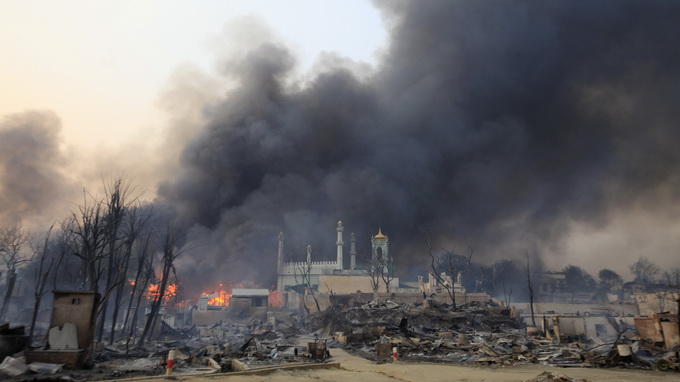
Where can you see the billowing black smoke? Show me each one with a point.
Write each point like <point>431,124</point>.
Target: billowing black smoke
<point>495,123</point>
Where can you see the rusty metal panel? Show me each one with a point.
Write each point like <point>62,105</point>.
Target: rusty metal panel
<point>670,334</point>
<point>649,328</point>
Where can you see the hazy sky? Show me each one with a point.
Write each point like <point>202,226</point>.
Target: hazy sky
<point>100,65</point>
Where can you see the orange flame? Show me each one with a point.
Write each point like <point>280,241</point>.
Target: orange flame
<point>154,290</point>
<point>275,299</point>
<point>219,297</point>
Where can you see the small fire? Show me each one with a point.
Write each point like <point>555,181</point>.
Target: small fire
<point>154,290</point>
<point>275,299</point>
<point>219,297</point>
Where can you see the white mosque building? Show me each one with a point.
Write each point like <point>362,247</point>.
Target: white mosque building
<point>330,276</point>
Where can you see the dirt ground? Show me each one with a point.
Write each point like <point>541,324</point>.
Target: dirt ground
<point>358,369</point>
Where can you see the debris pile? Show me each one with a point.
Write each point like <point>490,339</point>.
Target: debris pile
<point>12,340</point>
<point>215,349</point>
<point>476,333</point>
<point>220,348</point>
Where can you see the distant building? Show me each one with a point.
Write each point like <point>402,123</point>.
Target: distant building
<point>552,283</point>
<point>662,301</point>
<point>249,302</point>
<point>553,287</point>
<point>433,286</point>
<point>297,278</point>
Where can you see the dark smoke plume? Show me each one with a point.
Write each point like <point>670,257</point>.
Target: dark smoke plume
<point>32,184</point>
<point>496,123</point>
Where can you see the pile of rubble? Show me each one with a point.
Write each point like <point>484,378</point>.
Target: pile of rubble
<point>217,349</point>
<point>476,333</point>
<point>12,339</point>
<point>221,348</point>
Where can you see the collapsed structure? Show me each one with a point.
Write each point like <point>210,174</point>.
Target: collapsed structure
<point>366,310</point>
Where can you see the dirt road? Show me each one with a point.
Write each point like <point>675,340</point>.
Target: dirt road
<point>358,369</point>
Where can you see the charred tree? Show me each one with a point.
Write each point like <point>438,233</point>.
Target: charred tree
<point>116,210</point>
<point>12,242</point>
<point>451,263</point>
<point>480,281</point>
<point>374,272</point>
<point>87,239</point>
<point>386,272</point>
<point>505,279</point>
<point>94,238</point>
<point>62,271</point>
<point>644,270</point>
<point>303,270</point>
<point>531,291</point>
<point>469,268</point>
<point>170,252</point>
<point>42,274</point>
<point>507,295</point>
<point>135,224</point>
<point>144,274</point>
<point>608,282</point>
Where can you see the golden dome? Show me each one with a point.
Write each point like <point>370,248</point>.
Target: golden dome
<point>380,235</point>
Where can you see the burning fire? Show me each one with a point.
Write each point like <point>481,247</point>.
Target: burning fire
<point>220,297</point>
<point>215,299</point>
<point>275,299</point>
<point>154,290</point>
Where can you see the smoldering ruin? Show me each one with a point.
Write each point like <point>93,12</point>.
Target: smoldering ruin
<point>414,206</point>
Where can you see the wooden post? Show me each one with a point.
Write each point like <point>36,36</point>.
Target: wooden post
<point>556,327</point>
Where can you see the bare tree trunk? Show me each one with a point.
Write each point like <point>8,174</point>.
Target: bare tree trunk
<point>387,273</point>
<point>170,253</point>
<point>105,304</point>
<point>34,318</point>
<point>40,282</point>
<point>507,296</point>
<point>116,212</point>
<point>435,262</point>
<point>114,314</point>
<point>133,293</point>
<point>531,292</point>
<point>118,301</point>
<point>136,223</point>
<point>156,304</point>
<point>11,281</point>
<point>133,324</point>
<point>12,241</point>
<point>120,289</point>
<point>304,304</point>
<point>144,259</point>
<point>316,302</point>
<point>305,272</point>
<point>145,273</point>
<point>374,273</point>
<point>39,293</point>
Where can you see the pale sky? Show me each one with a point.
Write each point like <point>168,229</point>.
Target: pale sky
<point>100,65</point>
